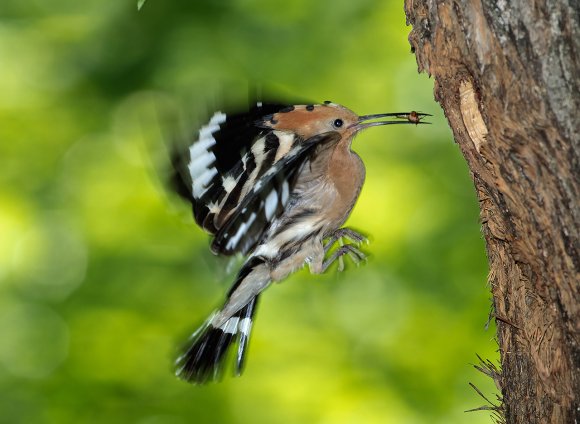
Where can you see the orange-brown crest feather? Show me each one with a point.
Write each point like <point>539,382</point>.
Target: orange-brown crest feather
<point>309,120</point>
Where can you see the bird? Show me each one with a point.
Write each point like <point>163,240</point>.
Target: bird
<point>274,183</point>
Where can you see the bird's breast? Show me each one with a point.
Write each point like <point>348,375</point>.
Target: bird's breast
<point>346,173</point>
<point>333,190</point>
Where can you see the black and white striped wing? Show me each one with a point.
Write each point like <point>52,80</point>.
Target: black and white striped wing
<point>208,170</point>
<point>265,199</point>
<point>222,167</point>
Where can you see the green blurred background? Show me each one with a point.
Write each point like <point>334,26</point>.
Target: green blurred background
<point>102,272</point>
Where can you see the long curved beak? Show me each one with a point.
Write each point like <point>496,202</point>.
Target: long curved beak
<point>399,118</point>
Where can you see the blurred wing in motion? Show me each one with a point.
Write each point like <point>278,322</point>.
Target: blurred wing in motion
<point>238,176</point>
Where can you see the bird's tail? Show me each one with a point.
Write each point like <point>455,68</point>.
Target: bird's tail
<point>205,356</point>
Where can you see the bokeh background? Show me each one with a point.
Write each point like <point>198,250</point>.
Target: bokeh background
<point>103,272</point>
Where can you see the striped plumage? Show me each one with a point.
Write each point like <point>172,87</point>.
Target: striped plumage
<point>273,184</point>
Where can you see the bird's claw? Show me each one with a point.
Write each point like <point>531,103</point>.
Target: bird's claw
<point>345,233</point>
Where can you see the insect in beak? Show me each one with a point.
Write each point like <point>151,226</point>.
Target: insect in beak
<point>404,118</point>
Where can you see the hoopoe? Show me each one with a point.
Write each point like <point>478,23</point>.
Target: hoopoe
<point>275,184</point>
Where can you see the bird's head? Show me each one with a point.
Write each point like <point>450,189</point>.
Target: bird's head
<point>310,120</point>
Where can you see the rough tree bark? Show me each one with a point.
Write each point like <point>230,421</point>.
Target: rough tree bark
<point>507,76</point>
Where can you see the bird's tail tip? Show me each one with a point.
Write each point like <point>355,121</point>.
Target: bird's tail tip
<point>206,355</point>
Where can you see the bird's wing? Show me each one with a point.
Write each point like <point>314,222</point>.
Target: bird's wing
<point>266,198</point>
<point>238,176</point>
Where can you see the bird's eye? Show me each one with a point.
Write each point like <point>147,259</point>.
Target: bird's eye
<point>337,123</point>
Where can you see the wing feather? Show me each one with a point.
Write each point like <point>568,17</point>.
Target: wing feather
<point>239,176</point>
<point>265,200</point>
<point>209,171</point>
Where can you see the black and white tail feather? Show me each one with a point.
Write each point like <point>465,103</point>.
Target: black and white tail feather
<point>204,358</point>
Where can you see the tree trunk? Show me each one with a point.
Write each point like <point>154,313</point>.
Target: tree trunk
<point>507,77</point>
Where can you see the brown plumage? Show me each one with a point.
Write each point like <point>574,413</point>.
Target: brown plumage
<point>282,201</point>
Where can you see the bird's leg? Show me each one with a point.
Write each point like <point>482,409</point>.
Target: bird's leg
<point>340,258</point>
<point>348,249</point>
